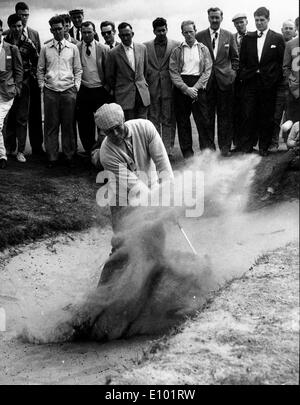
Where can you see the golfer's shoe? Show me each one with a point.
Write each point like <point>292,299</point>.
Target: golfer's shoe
<point>21,158</point>
<point>3,163</point>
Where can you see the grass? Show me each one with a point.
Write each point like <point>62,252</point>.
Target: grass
<point>35,201</point>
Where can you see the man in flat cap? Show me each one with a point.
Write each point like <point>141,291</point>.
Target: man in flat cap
<point>77,16</point>
<point>133,154</point>
<point>240,22</point>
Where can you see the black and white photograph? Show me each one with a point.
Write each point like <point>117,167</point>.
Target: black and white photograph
<point>149,195</point>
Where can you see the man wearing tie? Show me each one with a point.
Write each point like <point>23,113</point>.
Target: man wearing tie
<point>261,58</point>
<point>224,53</point>
<point>59,77</point>
<point>240,22</point>
<point>93,90</point>
<point>126,69</point>
<point>77,17</point>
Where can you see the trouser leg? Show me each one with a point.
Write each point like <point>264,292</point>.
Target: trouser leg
<point>266,116</point>
<point>225,118</point>
<point>211,105</point>
<point>52,122</point>
<point>4,109</point>
<point>140,110</point>
<point>167,123</point>
<point>22,114</point>
<point>200,114</point>
<point>183,108</point>
<point>67,113</point>
<point>280,107</point>
<point>35,126</point>
<point>247,136</point>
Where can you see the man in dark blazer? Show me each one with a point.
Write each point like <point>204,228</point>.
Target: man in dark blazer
<point>240,22</point>
<point>224,53</point>
<point>126,69</point>
<point>93,89</point>
<point>108,32</point>
<point>77,17</point>
<point>35,128</point>
<point>161,110</point>
<point>11,77</point>
<point>261,59</point>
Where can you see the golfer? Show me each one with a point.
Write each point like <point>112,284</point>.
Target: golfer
<point>134,154</point>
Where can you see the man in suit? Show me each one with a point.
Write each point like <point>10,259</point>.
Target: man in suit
<point>11,77</point>
<point>126,69</point>
<point>17,119</point>
<point>77,17</point>
<point>225,58</point>
<point>261,60</point>
<point>240,22</point>
<point>291,74</point>
<point>108,32</point>
<point>35,127</point>
<point>161,110</point>
<point>190,68</point>
<point>93,90</point>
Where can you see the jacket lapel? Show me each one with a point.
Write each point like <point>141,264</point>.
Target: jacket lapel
<point>267,44</point>
<point>209,44</point>
<point>152,54</point>
<point>123,55</point>
<point>167,53</point>
<point>220,43</point>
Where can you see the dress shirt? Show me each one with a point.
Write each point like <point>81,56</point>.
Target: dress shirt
<point>191,59</point>
<point>129,50</point>
<point>160,48</point>
<point>2,58</point>
<point>240,38</point>
<point>212,36</point>
<point>75,30</point>
<point>260,42</point>
<point>59,72</point>
<point>90,75</point>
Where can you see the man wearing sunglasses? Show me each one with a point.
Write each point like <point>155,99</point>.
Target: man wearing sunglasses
<point>108,32</point>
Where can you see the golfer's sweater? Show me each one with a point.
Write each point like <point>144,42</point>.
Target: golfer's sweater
<point>150,159</point>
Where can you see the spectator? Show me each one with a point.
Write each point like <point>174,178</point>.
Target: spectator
<point>240,22</point>
<point>225,58</point>
<point>261,59</point>
<point>161,110</point>
<point>289,32</point>
<point>11,77</point>
<point>35,127</point>
<point>77,17</point>
<point>17,119</point>
<point>127,66</point>
<point>93,90</point>
<point>108,32</point>
<point>59,77</point>
<point>291,73</point>
<point>190,68</point>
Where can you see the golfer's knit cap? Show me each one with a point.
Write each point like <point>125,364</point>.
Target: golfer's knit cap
<point>239,15</point>
<point>76,11</point>
<point>109,116</point>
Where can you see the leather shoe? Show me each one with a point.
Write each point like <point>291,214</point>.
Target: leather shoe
<point>3,163</point>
